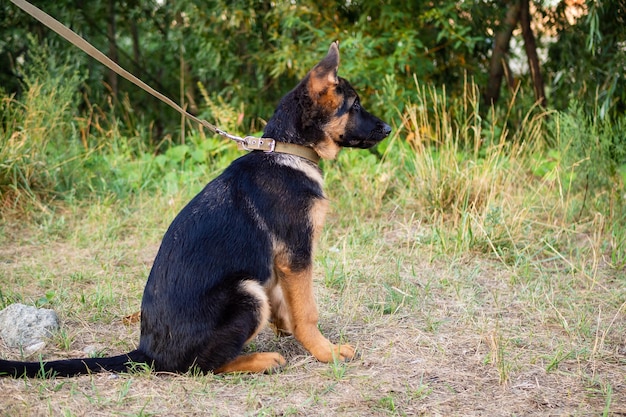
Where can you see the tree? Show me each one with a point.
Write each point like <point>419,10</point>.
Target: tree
<point>498,63</point>
<point>531,52</point>
<point>518,12</point>
<point>586,64</point>
<point>248,53</point>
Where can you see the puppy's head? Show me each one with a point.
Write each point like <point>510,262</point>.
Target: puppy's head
<point>343,121</point>
<point>325,113</point>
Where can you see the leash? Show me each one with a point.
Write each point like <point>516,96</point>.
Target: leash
<point>249,143</point>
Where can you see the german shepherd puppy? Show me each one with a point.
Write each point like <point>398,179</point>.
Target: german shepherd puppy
<point>240,254</point>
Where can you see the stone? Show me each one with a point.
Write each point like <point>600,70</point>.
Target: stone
<point>27,326</point>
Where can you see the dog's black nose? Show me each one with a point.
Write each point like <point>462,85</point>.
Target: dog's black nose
<point>386,129</point>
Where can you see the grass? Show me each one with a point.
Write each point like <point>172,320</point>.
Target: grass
<point>438,332</point>
<point>469,263</point>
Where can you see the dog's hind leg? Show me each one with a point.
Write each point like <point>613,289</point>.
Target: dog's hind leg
<point>254,362</point>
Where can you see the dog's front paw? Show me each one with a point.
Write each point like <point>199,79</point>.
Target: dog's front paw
<point>344,352</point>
<point>273,362</point>
<point>334,353</point>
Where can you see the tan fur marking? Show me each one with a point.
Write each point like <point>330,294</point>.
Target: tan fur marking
<point>336,127</point>
<point>322,90</point>
<point>256,290</point>
<point>297,294</point>
<point>327,149</point>
<point>280,320</point>
<point>254,363</point>
<point>318,217</point>
<point>321,78</point>
<point>298,291</point>
<point>329,100</point>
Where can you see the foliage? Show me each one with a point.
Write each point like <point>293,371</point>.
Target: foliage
<point>453,157</point>
<point>250,52</point>
<point>595,149</point>
<point>377,41</point>
<point>47,151</point>
<point>587,62</point>
<point>39,137</point>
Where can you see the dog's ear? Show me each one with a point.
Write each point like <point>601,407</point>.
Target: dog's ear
<point>324,74</point>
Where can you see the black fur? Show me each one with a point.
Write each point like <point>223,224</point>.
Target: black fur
<point>199,305</point>
<point>220,238</point>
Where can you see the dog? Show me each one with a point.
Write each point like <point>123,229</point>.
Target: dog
<point>240,254</point>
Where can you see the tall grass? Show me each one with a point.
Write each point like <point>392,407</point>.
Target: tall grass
<point>520,187</point>
<point>471,175</point>
<point>38,133</point>
<point>55,145</point>
<point>481,182</point>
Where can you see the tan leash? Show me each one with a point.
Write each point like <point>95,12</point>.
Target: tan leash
<point>249,143</point>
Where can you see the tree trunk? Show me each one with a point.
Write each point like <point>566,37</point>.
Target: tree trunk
<point>531,52</point>
<point>500,48</point>
<point>112,45</point>
<point>134,34</point>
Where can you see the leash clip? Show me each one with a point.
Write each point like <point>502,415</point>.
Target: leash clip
<point>252,143</point>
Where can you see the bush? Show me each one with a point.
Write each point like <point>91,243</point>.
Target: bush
<point>40,148</point>
<point>596,145</point>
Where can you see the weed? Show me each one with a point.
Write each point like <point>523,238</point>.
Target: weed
<point>498,356</point>
<point>45,300</point>
<point>334,277</point>
<point>421,392</point>
<point>63,339</point>
<point>559,356</point>
<point>466,175</point>
<point>9,298</point>
<point>337,369</point>
<point>387,403</point>
<point>608,393</point>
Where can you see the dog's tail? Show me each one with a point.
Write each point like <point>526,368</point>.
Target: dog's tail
<point>72,367</point>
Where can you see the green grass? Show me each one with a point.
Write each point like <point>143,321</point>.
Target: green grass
<point>474,263</point>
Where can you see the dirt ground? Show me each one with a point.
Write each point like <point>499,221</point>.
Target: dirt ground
<point>436,337</point>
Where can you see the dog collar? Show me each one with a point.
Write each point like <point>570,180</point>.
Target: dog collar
<point>251,143</point>
<point>298,150</point>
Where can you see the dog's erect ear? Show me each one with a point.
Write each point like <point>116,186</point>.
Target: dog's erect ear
<point>324,74</point>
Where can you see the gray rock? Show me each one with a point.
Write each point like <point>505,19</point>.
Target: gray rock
<point>26,326</point>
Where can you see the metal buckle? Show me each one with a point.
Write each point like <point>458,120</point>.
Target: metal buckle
<point>252,143</point>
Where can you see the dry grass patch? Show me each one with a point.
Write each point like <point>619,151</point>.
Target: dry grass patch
<point>436,334</point>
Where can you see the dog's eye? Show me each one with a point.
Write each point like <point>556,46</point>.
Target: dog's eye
<point>356,106</point>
